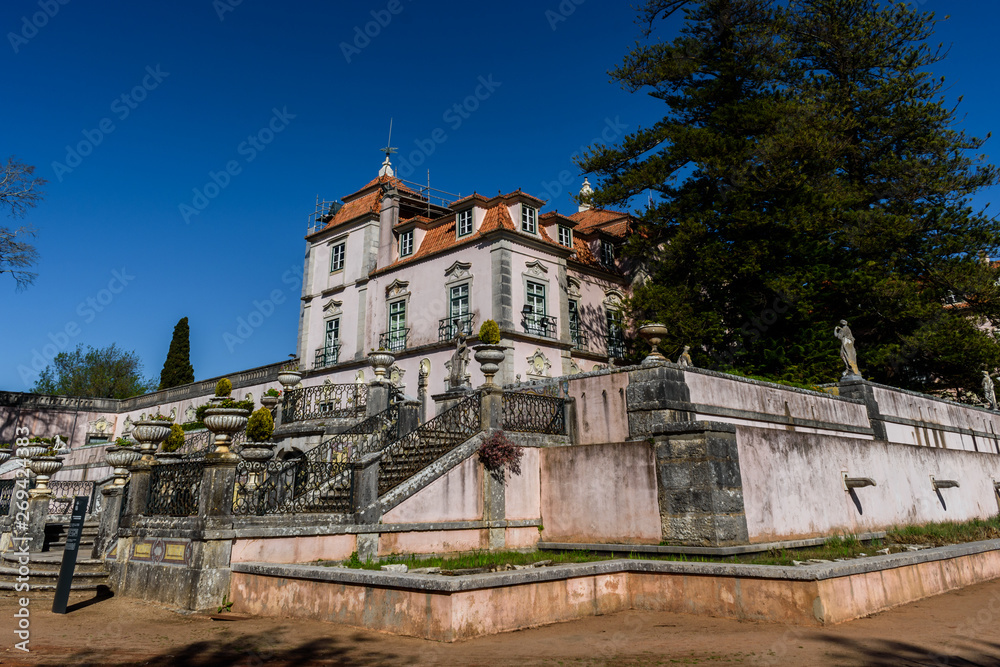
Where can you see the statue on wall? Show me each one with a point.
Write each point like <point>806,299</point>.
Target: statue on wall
<point>847,351</point>
<point>457,376</point>
<point>60,446</point>
<point>989,392</point>
<point>685,358</point>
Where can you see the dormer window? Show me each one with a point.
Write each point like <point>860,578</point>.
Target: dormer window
<point>406,243</point>
<point>465,222</point>
<point>565,236</point>
<point>607,254</point>
<point>529,219</point>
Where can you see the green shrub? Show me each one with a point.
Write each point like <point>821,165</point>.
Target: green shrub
<point>160,418</point>
<point>489,333</point>
<point>175,440</point>
<point>260,426</point>
<point>199,413</point>
<point>124,442</point>
<point>223,388</point>
<point>272,392</point>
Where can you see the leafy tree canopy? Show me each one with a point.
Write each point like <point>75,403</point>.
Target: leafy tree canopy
<point>108,372</point>
<point>807,169</point>
<point>20,190</point>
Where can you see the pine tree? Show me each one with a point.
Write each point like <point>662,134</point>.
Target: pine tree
<point>177,369</point>
<point>807,171</point>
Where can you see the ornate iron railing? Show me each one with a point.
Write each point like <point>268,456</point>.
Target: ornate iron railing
<point>6,493</point>
<point>414,451</point>
<point>285,487</point>
<point>174,489</point>
<point>324,401</point>
<point>449,327</point>
<point>539,325</point>
<point>393,341</point>
<point>365,437</point>
<point>64,491</point>
<point>579,340</point>
<point>199,445</point>
<point>529,412</point>
<point>327,356</point>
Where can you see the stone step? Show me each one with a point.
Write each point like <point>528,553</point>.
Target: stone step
<point>51,561</point>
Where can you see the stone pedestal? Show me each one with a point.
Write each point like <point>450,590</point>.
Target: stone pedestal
<point>107,532</point>
<point>364,488</point>
<point>378,398</point>
<point>853,386</point>
<point>218,478</point>
<point>138,490</point>
<point>699,485</point>
<point>656,395</point>
<point>34,529</point>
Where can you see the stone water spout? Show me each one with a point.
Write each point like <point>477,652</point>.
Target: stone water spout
<point>943,483</point>
<point>857,482</point>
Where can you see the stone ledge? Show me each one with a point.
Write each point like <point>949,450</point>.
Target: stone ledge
<point>358,529</point>
<point>447,585</point>
<point>734,550</point>
<point>681,428</point>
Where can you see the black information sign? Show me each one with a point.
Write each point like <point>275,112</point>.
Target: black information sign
<point>69,555</point>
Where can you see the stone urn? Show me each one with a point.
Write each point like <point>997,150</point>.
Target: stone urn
<point>380,361</point>
<point>269,401</point>
<point>44,467</point>
<point>224,423</point>
<point>120,458</point>
<point>289,378</point>
<point>168,457</point>
<point>490,357</point>
<point>653,334</point>
<point>149,433</point>
<point>30,451</point>
<point>257,452</point>
<point>4,455</point>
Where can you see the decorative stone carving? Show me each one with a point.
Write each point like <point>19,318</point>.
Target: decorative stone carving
<point>458,377</point>
<point>573,287</point>
<point>574,368</point>
<point>60,446</point>
<point>359,378</point>
<point>396,375</point>
<point>536,269</point>
<point>685,358</point>
<point>457,271</point>
<point>847,351</point>
<point>333,307</point>
<point>538,365</point>
<point>101,426</point>
<point>397,288</point>
<point>989,391</point>
<point>190,414</point>
<point>613,299</point>
<point>127,425</point>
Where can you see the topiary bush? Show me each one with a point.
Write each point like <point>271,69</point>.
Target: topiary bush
<point>175,440</point>
<point>272,392</point>
<point>260,426</point>
<point>199,412</point>
<point>489,333</point>
<point>223,388</point>
<point>497,452</point>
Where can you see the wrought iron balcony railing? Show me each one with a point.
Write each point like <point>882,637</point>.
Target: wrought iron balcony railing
<point>393,341</point>
<point>449,327</point>
<point>539,325</point>
<point>579,340</point>
<point>324,401</point>
<point>616,346</point>
<point>327,356</point>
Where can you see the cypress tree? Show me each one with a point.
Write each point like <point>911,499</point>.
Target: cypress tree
<point>177,369</point>
<point>807,169</point>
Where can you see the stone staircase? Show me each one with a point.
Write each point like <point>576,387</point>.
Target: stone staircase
<point>44,565</point>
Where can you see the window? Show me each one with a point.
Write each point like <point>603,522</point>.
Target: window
<point>574,325</point>
<point>565,236</point>
<point>397,326</point>
<point>529,219</point>
<point>607,254</point>
<point>616,334</point>
<point>459,309</point>
<point>329,354</point>
<point>332,333</point>
<point>465,222</point>
<point>337,257</point>
<point>406,243</point>
<point>535,321</point>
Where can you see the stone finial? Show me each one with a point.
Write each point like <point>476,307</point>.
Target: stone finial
<point>586,192</point>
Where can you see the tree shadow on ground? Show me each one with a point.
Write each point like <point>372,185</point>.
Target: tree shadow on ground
<point>959,652</point>
<point>243,651</point>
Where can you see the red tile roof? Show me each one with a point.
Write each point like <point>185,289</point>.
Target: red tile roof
<point>597,218</point>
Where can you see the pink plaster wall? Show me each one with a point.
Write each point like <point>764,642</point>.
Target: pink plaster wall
<point>456,496</point>
<point>601,414</point>
<point>522,538</point>
<point>792,484</point>
<point>433,541</point>
<point>600,493</point>
<point>522,493</point>
<point>293,549</point>
<point>932,411</point>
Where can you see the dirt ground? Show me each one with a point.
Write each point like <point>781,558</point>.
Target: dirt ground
<point>959,628</point>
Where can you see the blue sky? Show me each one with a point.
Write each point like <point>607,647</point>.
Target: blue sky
<point>185,144</point>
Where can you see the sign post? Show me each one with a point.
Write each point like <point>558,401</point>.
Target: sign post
<point>69,555</point>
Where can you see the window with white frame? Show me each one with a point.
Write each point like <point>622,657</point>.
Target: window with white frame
<point>458,310</point>
<point>329,354</point>
<point>465,222</point>
<point>574,324</point>
<point>397,326</point>
<point>337,257</point>
<point>565,236</point>
<point>607,254</point>
<point>535,321</point>
<point>529,219</point>
<point>616,334</point>
<point>406,243</point>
